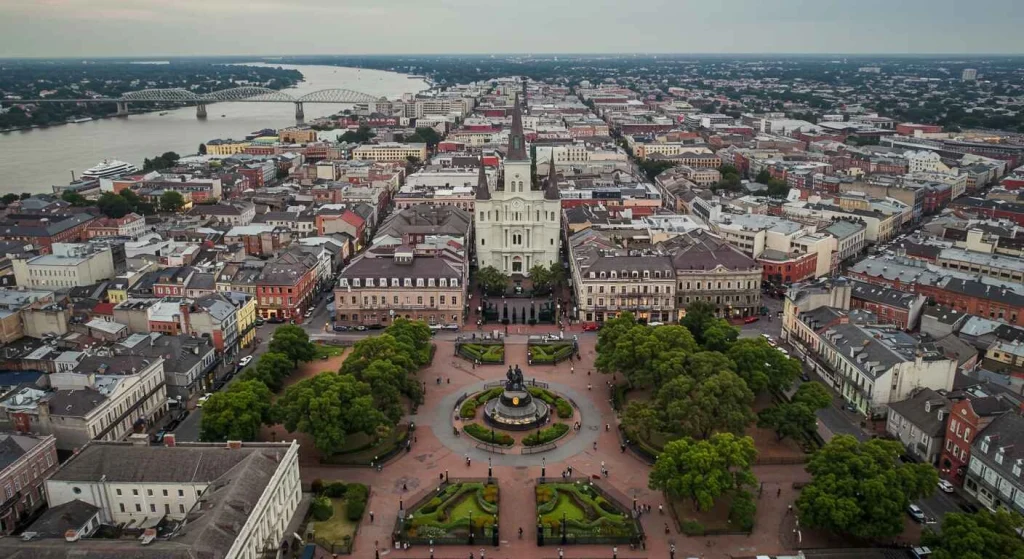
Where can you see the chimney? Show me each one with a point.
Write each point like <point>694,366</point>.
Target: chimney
<point>234,445</point>
<point>169,439</point>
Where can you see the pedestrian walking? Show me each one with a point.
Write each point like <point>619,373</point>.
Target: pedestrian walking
<point>371,517</point>
<point>589,386</point>
<point>595,445</point>
<point>572,369</point>
<point>779,492</point>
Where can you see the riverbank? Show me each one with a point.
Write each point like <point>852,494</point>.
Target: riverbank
<point>37,158</point>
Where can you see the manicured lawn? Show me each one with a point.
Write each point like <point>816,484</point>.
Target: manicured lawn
<point>566,506</point>
<point>334,529</point>
<point>448,514</point>
<point>587,513</point>
<point>466,506</point>
<point>327,351</point>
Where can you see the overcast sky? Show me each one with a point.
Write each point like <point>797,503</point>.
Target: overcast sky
<point>52,28</point>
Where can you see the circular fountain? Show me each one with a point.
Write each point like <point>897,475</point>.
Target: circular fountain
<point>516,409</point>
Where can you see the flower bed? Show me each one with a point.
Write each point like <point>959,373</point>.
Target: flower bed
<point>485,353</point>
<point>562,406</point>
<point>546,435</point>
<point>448,517</point>
<point>483,434</point>
<point>469,406</point>
<point>550,352</point>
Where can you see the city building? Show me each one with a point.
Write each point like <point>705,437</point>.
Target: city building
<point>919,422</point>
<point>972,411</point>
<point>232,501</point>
<point>517,226</point>
<point>390,151</point>
<point>285,286</point>
<point>45,230</point>
<point>131,226</point>
<point>67,265</point>
<point>996,463</point>
<point>25,463</point>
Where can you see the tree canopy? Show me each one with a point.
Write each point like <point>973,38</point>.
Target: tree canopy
<point>172,201</point>
<point>721,402</point>
<point>703,471</point>
<point>329,407</point>
<point>982,535</point>
<point>388,363</point>
<point>796,417</point>
<point>271,369</point>
<point>165,161</point>
<point>646,356</point>
<point>763,366</point>
<point>237,413</point>
<point>360,136</point>
<point>491,280</point>
<point>292,341</point>
<point>861,489</point>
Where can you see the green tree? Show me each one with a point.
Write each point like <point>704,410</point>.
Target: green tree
<point>237,413</point>
<point>719,335</point>
<point>788,419</point>
<point>202,149</point>
<point>293,341</point>
<point>812,394</point>
<point>165,161</point>
<point>9,199</point>
<point>557,273</point>
<point>764,176</point>
<point>982,535</point>
<point>640,418</point>
<point>703,471</point>
<point>271,369</point>
<point>699,316</point>
<point>704,364</point>
<point>171,201</point>
<point>652,168</point>
<point>722,402</point>
<point>74,198</point>
<point>861,489</point>
<point>540,277</point>
<point>428,136</point>
<point>329,407</point>
<point>778,188</point>
<point>113,205</point>
<point>728,169</point>
<point>491,280</point>
<point>360,136</point>
<point>762,366</point>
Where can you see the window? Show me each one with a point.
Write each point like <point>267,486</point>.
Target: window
<point>181,509</point>
<point>167,508</point>
<point>165,492</point>
<point>181,492</point>
<point>138,507</point>
<point>118,492</point>
<point>152,507</point>
<point>135,492</point>
<point>149,492</point>
<point>122,506</point>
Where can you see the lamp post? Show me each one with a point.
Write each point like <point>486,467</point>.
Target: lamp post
<point>543,465</point>
<point>489,473</point>
<point>565,533</point>
<point>470,527</point>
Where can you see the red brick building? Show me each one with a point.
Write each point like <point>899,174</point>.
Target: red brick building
<point>892,306</point>
<point>44,230</point>
<point>908,129</point>
<point>977,298</point>
<point>968,416</point>
<point>284,289</point>
<point>787,268</point>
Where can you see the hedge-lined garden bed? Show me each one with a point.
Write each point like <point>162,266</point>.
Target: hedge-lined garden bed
<point>547,435</point>
<point>589,516</point>
<point>547,353</point>
<point>483,434</point>
<point>335,512</point>
<point>562,406</point>
<point>445,518</point>
<point>487,353</point>
<point>468,408</point>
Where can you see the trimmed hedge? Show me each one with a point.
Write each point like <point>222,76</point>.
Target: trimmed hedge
<point>485,353</point>
<point>562,406</point>
<point>483,434</point>
<point>692,528</point>
<point>468,408</point>
<point>550,352</point>
<point>335,490</point>
<point>356,496</point>
<point>321,508</point>
<point>547,435</point>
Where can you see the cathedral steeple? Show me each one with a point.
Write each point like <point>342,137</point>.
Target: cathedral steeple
<point>516,139</point>
<point>483,191</point>
<point>551,189</point>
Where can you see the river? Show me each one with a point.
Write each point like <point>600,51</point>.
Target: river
<point>34,160</point>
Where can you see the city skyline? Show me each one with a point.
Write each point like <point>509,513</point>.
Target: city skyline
<point>111,28</point>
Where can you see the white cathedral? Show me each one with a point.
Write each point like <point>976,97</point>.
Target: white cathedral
<point>517,226</point>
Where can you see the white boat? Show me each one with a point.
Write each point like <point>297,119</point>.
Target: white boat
<point>83,119</point>
<point>109,168</point>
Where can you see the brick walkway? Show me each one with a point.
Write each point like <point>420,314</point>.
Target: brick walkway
<point>436,451</point>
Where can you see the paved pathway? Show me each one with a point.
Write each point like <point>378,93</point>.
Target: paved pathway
<point>436,451</point>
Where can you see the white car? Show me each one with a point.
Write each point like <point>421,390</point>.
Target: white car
<point>655,324</point>
<point>203,399</point>
<point>436,327</point>
<point>945,486</point>
<point>452,326</point>
<point>769,339</point>
<point>783,351</point>
<point>245,361</point>
<point>916,513</point>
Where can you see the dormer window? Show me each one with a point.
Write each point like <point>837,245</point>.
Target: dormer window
<point>408,282</point>
<point>455,282</point>
<point>1016,468</point>
<point>592,275</point>
<point>395,282</point>
<point>443,282</point>
<point>602,275</point>
<point>419,282</point>
<point>637,274</point>
<point>355,282</point>
<point>999,455</point>
<point>614,275</point>
<point>984,445</point>
<point>369,282</point>
<point>383,282</point>
<point>344,282</point>
<point>430,282</point>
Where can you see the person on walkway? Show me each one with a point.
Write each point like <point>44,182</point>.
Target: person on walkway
<point>661,510</point>
<point>371,517</point>
<point>589,386</point>
<point>404,487</point>
<point>779,493</point>
<point>572,369</point>
<point>595,445</point>
<point>468,460</point>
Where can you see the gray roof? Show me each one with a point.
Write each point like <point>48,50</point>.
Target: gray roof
<point>375,268</point>
<point>128,463</point>
<point>882,295</point>
<point>74,403</point>
<point>1006,433</point>
<point>424,219</point>
<point>13,447</point>
<point>922,411</point>
<point>943,314</point>
<point>842,229</point>
<point>875,350</point>
<point>72,515</point>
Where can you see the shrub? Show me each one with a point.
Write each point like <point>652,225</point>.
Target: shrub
<point>317,486</point>
<point>483,434</point>
<point>544,395</point>
<point>547,435</point>
<point>488,395</point>
<point>431,505</point>
<point>692,528</point>
<point>742,511</point>
<point>321,508</point>
<point>356,496</point>
<point>485,353</point>
<point>563,408</point>
<point>335,490</point>
<point>468,409</point>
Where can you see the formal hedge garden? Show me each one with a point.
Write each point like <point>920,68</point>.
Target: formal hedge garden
<point>589,516</point>
<point>546,435</point>
<point>445,518</point>
<point>483,434</point>
<point>335,512</point>
<point>562,406</point>
<point>488,353</point>
<point>470,405</point>
<point>547,353</point>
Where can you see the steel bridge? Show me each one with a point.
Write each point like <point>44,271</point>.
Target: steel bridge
<point>247,94</point>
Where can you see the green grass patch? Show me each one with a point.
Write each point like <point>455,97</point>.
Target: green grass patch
<point>585,511</point>
<point>324,351</point>
<point>483,434</point>
<point>338,529</point>
<point>448,514</point>
<point>547,435</point>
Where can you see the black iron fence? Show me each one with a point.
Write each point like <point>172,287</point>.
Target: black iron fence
<point>474,535</point>
<point>563,535</point>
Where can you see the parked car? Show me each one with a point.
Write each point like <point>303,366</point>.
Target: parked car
<point>945,486</point>
<point>451,326</point>
<point>916,513</point>
<point>655,323</point>
<point>341,328</point>
<point>805,377</point>
<point>260,322</point>
<point>361,328</point>
<point>436,327</point>
<point>783,351</point>
<point>751,319</point>
<point>203,399</point>
<point>244,361</point>
<point>591,327</point>
<point>309,312</point>
<point>771,342</point>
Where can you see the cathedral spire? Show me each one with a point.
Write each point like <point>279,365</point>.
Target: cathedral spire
<point>483,191</point>
<point>516,139</point>
<point>551,190</point>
